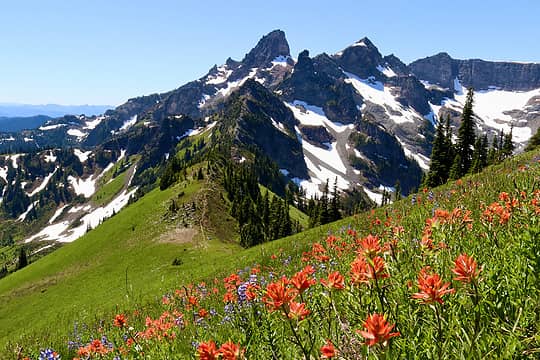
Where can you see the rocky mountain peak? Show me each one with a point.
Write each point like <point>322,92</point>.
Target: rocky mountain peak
<point>304,64</point>
<point>271,46</point>
<point>361,58</point>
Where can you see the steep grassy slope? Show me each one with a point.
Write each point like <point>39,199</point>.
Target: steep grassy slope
<point>126,260</point>
<point>431,228</point>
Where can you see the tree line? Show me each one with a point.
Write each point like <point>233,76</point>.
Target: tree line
<point>469,154</point>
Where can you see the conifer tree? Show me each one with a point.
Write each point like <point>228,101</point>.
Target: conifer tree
<point>507,145</point>
<point>480,154</point>
<point>466,139</point>
<point>23,260</point>
<point>334,203</point>
<point>397,195</point>
<point>534,141</point>
<point>438,168</point>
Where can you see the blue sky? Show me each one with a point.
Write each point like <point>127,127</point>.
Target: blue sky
<point>105,51</point>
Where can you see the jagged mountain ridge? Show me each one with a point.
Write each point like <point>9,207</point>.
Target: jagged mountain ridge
<point>358,116</point>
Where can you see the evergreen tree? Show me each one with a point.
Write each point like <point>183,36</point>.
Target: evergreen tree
<point>507,145</point>
<point>438,168</point>
<point>466,138</point>
<point>335,203</point>
<point>534,141</point>
<point>23,260</point>
<point>455,170</point>
<point>480,155</point>
<point>397,194</point>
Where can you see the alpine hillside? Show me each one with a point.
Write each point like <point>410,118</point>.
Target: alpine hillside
<point>357,119</point>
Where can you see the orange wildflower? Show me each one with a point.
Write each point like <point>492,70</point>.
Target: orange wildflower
<point>431,287</point>
<point>228,297</point>
<point>328,351</point>
<point>298,311</point>
<point>230,351</point>
<point>302,281</point>
<point>377,330</point>
<point>369,246</point>
<point>207,351</point>
<point>278,295</point>
<point>363,270</point>
<point>465,268</point>
<point>203,312</point>
<point>335,281</point>
<point>120,321</point>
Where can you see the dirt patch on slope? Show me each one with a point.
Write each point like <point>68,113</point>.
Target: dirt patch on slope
<point>179,235</point>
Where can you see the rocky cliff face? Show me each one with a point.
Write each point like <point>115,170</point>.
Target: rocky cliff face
<point>441,69</point>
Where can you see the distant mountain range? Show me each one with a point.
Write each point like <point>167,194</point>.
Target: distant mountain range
<point>16,124</point>
<point>51,110</point>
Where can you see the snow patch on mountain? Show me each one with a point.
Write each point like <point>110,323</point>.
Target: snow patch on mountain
<point>50,157</point>
<point>3,173</point>
<point>82,155</point>
<point>62,232</point>
<point>279,126</point>
<point>311,115</point>
<point>203,100</point>
<point>375,92</point>
<point>85,187</point>
<point>222,75</point>
<point>51,127</point>
<point>492,106</point>
<point>129,123</point>
<point>77,133</point>
<point>386,71</point>
<point>57,213</point>
<point>422,160</point>
<point>14,160</point>
<point>280,61</point>
<point>232,85</point>
<point>43,184</point>
<point>22,217</point>
<point>374,196</point>
<point>92,124</point>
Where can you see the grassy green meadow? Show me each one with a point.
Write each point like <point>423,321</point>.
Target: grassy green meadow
<point>120,287</point>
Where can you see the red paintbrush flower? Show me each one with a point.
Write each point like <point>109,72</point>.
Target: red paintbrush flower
<point>301,280</point>
<point>465,268</point>
<point>277,295</point>
<point>120,320</point>
<point>377,330</point>
<point>431,287</point>
<point>298,311</point>
<point>335,281</point>
<point>207,351</point>
<point>328,351</point>
<point>230,351</point>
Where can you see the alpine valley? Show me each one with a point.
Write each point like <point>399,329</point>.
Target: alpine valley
<point>355,125</point>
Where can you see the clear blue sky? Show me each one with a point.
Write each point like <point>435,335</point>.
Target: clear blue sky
<point>105,51</point>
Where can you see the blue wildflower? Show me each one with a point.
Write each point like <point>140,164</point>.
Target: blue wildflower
<point>48,354</point>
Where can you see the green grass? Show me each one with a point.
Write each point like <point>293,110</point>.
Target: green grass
<point>91,288</point>
<point>90,274</point>
<point>294,213</point>
<point>109,190</point>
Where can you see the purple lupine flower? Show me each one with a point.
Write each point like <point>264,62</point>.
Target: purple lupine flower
<point>179,321</point>
<point>48,354</point>
<point>252,279</point>
<point>242,297</point>
<point>229,309</point>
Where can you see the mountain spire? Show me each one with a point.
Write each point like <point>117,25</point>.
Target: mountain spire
<point>271,46</point>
